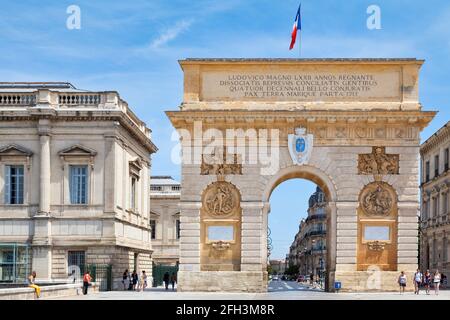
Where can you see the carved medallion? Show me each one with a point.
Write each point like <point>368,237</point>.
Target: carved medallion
<point>377,199</point>
<point>361,132</point>
<point>378,162</point>
<point>220,163</point>
<point>221,199</point>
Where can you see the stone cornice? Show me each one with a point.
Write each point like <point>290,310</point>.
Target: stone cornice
<point>437,138</point>
<point>238,118</point>
<point>85,115</point>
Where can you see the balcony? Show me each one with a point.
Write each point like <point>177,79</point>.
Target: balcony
<point>316,217</point>
<point>316,233</point>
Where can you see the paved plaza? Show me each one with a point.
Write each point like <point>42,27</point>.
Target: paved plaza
<point>278,290</point>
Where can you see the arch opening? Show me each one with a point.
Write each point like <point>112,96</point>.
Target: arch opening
<point>310,258</point>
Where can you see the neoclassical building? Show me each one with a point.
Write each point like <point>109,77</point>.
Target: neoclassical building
<point>435,204</point>
<point>165,220</point>
<point>308,250</point>
<point>74,177</point>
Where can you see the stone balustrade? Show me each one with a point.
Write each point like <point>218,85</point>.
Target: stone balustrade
<point>76,99</point>
<point>17,99</point>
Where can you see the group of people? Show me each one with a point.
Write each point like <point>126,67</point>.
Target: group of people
<point>172,279</point>
<point>426,280</point>
<point>132,281</point>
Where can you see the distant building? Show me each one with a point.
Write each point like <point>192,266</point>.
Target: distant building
<point>308,250</point>
<point>165,220</point>
<point>278,266</point>
<point>435,202</point>
<point>74,181</point>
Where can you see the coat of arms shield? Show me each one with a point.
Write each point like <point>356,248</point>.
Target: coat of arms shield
<point>300,146</point>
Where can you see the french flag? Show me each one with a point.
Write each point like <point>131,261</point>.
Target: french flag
<point>297,26</point>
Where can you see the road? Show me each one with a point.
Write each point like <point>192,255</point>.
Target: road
<point>278,290</point>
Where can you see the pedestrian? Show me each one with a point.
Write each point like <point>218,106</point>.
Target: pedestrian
<point>86,282</point>
<point>134,279</point>
<point>32,284</point>
<point>166,279</point>
<point>436,281</point>
<point>143,281</point>
<point>402,282</point>
<point>427,281</point>
<point>311,278</point>
<point>173,280</point>
<point>125,279</point>
<point>418,278</point>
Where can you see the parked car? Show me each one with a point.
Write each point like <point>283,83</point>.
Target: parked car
<point>275,278</point>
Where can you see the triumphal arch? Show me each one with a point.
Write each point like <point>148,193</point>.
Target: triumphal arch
<point>350,125</point>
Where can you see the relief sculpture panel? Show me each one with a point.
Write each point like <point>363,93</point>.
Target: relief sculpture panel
<point>378,162</point>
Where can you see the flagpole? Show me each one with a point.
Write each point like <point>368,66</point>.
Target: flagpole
<point>300,44</point>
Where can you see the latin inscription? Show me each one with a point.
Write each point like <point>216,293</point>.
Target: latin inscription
<point>300,86</point>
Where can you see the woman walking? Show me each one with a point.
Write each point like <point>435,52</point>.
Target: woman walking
<point>134,279</point>
<point>143,281</point>
<point>125,279</point>
<point>418,278</point>
<point>436,281</point>
<point>427,281</point>
<point>402,282</point>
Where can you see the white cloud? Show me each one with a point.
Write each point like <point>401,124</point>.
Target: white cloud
<point>171,33</point>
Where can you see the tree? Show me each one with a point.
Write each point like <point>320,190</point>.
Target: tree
<point>292,270</point>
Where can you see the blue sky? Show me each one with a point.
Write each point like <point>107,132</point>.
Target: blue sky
<point>133,47</point>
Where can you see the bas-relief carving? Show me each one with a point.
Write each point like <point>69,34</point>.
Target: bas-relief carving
<point>218,163</point>
<point>377,199</point>
<point>220,199</point>
<point>378,162</point>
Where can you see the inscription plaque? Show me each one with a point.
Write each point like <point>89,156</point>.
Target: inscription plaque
<point>220,233</point>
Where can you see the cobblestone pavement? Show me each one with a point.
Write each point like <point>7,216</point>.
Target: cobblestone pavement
<point>278,290</point>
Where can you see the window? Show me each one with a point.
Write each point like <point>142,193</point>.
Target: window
<point>427,171</point>
<point>436,165</point>
<point>178,228</point>
<point>14,185</point>
<point>153,227</point>
<point>446,159</point>
<point>76,259</point>
<point>133,193</point>
<point>445,203</point>
<point>156,188</point>
<point>444,249</point>
<point>435,207</point>
<point>78,185</point>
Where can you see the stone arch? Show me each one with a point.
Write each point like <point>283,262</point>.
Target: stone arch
<point>328,186</point>
<point>319,177</point>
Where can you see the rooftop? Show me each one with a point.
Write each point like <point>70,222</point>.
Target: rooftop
<point>424,147</point>
<point>34,86</point>
<point>302,60</point>
<point>163,180</point>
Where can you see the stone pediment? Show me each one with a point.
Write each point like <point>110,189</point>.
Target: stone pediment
<point>77,150</point>
<point>15,150</point>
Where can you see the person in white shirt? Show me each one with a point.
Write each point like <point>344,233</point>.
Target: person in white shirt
<point>436,281</point>
<point>402,282</point>
<point>418,277</point>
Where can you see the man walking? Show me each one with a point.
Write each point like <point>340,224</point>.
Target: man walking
<point>86,282</point>
<point>166,280</point>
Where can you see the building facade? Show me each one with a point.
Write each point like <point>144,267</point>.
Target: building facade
<point>165,220</point>
<point>435,202</point>
<point>278,266</point>
<point>308,250</point>
<point>74,176</point>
